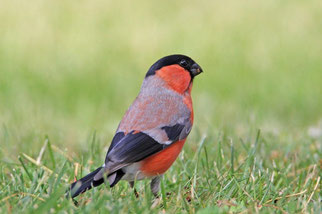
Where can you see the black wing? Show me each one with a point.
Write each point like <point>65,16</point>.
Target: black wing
<point>117,137</point>
<point>174,132</point>
<point>133,147</point>
<point>136,146</point>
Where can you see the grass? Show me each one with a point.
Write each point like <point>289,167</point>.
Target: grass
<point>69,71</point>
<point>212,175</point>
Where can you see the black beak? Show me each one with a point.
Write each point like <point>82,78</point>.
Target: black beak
<point>195,70</point>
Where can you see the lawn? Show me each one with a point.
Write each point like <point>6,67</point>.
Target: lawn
<point>69,70</point>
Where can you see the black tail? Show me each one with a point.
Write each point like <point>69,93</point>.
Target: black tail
<point>87,182</point>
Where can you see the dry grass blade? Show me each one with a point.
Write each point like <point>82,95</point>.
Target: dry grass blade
<point>41,165</point>
<point>36,163</point>
<point>41,153</point>
<point>56,149</point>
<point>315,187</point>
<point>22,193</point>
<point>288,196</point>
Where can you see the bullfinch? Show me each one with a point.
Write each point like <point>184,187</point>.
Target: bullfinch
<point>153,130</point>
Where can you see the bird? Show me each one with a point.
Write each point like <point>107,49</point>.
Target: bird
<point>153,130</point>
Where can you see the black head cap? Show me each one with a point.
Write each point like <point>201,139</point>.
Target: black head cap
<point>184,61</point>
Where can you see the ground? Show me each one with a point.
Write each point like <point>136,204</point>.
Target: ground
<point>68,72</point>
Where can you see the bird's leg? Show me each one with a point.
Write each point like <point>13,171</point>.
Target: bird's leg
<point>134,190</point>
<point>155,186</point>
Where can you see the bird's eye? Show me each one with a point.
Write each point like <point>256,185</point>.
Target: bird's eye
<point>183,63</point>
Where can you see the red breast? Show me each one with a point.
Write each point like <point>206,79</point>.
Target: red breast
<point>159,163</point>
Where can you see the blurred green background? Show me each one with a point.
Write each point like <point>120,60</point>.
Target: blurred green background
<point>68,68</point>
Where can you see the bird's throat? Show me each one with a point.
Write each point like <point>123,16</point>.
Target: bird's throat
<point>176,78</point>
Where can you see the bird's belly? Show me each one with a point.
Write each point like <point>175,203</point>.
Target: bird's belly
<point>154,165</point>
<point>132,172</point>
<point>159,163</point>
